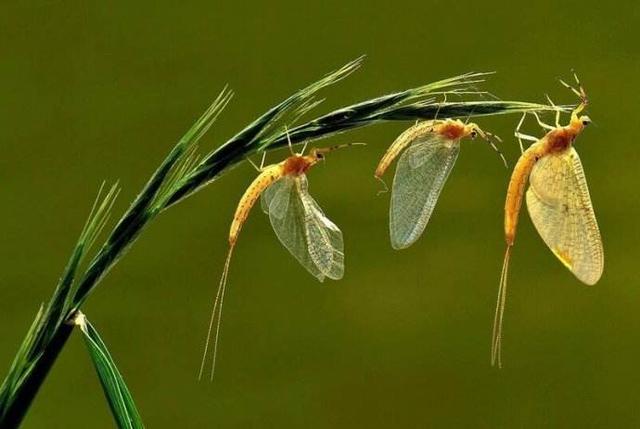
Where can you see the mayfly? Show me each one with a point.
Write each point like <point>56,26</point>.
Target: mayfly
<point>298,221</point>
<point>432,148</point>
<point>558,202</point>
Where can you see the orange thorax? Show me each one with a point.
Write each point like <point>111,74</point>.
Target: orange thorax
<point>452,130</point>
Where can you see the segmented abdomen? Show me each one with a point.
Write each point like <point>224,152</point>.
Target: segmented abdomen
<point>267,177</point>
<point>515,191</point>
<point>401,143</point>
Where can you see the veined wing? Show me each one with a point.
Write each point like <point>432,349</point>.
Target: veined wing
<point>324,238</point>
<point>303,228</point>
<point>420,176</point>
<point>560,208</point>
<point>280,188</point>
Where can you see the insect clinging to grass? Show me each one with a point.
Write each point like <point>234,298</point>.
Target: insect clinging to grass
<point>432,148</point>
<point>298,221</point>
<point>558,202</point>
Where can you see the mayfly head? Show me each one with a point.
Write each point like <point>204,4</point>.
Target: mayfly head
<point>584,120</point>
<point>472,130</point>
<point>578,123</point>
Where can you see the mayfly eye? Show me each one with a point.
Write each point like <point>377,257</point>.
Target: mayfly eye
<point>585,122</point>
<point>474,134</point>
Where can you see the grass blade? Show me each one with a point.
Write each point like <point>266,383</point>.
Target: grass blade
<point>22,363</point>
<point>115,390</point>
<point>146,205</point>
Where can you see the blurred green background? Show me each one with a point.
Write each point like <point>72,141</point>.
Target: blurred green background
<point>101,90</point>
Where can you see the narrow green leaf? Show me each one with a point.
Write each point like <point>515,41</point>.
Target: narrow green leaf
<point>146,205</point>
<point>120,400</point>
<point>98,217</point>
<point>22,363</point>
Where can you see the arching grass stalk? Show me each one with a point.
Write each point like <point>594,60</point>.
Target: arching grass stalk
<point>179,177</point>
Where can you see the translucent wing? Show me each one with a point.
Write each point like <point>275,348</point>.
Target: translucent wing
<point>303,228</point>
<point>280,188</point>
<point>560,208</point>
<point>420,176</point>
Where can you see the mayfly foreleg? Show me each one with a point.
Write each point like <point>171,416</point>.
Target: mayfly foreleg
<point>580,92</point>
<point>575,91</point>
<point>489,137</point>
<point>500,154</point>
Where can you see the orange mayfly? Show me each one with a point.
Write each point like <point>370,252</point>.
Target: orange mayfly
<point>422,171</point>
<point>298,221</point>
<point>558,202</point>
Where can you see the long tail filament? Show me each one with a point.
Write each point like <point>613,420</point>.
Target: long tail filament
<point>222,286</point>
<point>496,340</point>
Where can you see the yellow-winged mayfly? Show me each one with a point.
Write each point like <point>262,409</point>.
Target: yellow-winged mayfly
<point>558,202</point>
<point>432,148</point>
<point>298,221</point>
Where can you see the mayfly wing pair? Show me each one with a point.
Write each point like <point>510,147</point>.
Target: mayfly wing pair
<point>431,149</point>
<point>559,206</point>
<point>303,228</point>
<point>298,221</point>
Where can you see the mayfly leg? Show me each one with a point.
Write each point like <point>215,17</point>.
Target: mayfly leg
<point>294,153</point>
<point>520,136</point>
<point>304,147</point>
<point>264,157</point>
<point>261,167</point>
<point>556,108</point>
<point>444,100</point>
<point>579,92</point>
<point>488,137</point>
<point>542,124</point>
<point>286,131</point>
